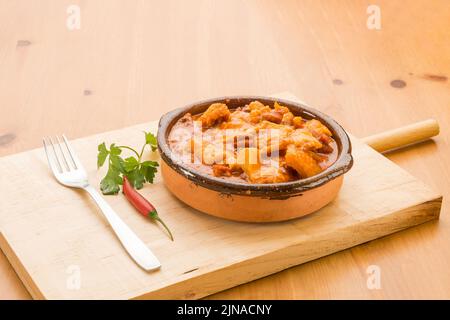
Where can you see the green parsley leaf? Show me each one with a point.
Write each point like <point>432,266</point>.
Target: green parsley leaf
<point>115,150</point>
<point>110,184</point>
<point>149,171</point>
<point>136,179</point>
<point>150,139</point>
<point>102,154</point>
<point>117,163</point>
<point>150,163</point>
<point>130,164</point>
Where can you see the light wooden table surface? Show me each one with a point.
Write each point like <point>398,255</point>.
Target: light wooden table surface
<point>133,60</point>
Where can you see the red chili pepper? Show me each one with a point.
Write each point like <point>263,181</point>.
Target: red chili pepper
<point>141,204</point>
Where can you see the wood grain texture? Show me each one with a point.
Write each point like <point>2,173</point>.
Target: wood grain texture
<point>141,58</point>
<point>56,228</point>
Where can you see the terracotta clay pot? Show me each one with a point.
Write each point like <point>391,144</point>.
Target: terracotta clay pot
<point>253,202</point>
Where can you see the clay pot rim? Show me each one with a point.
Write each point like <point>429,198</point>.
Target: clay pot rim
<point>282,190</point>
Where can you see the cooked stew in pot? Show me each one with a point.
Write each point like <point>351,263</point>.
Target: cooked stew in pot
<point>254,143</point>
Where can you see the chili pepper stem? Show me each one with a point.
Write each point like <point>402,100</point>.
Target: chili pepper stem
<point>154,215</point>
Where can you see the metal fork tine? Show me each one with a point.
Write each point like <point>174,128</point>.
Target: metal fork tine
<point>72,154</point>
<point>51,163</point>
<point>61,170</point>
<point>63,155</point>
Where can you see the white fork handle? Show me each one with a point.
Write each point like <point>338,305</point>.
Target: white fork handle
<point>135,247</point>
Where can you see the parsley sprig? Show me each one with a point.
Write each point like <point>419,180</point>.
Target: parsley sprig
<point>137,171</point>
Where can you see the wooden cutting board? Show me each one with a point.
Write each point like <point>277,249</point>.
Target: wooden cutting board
<point>61,247</point>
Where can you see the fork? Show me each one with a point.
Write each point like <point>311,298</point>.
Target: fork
<point>69,172</point>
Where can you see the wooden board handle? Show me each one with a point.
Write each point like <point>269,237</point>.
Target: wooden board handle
<point>403,136</point>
